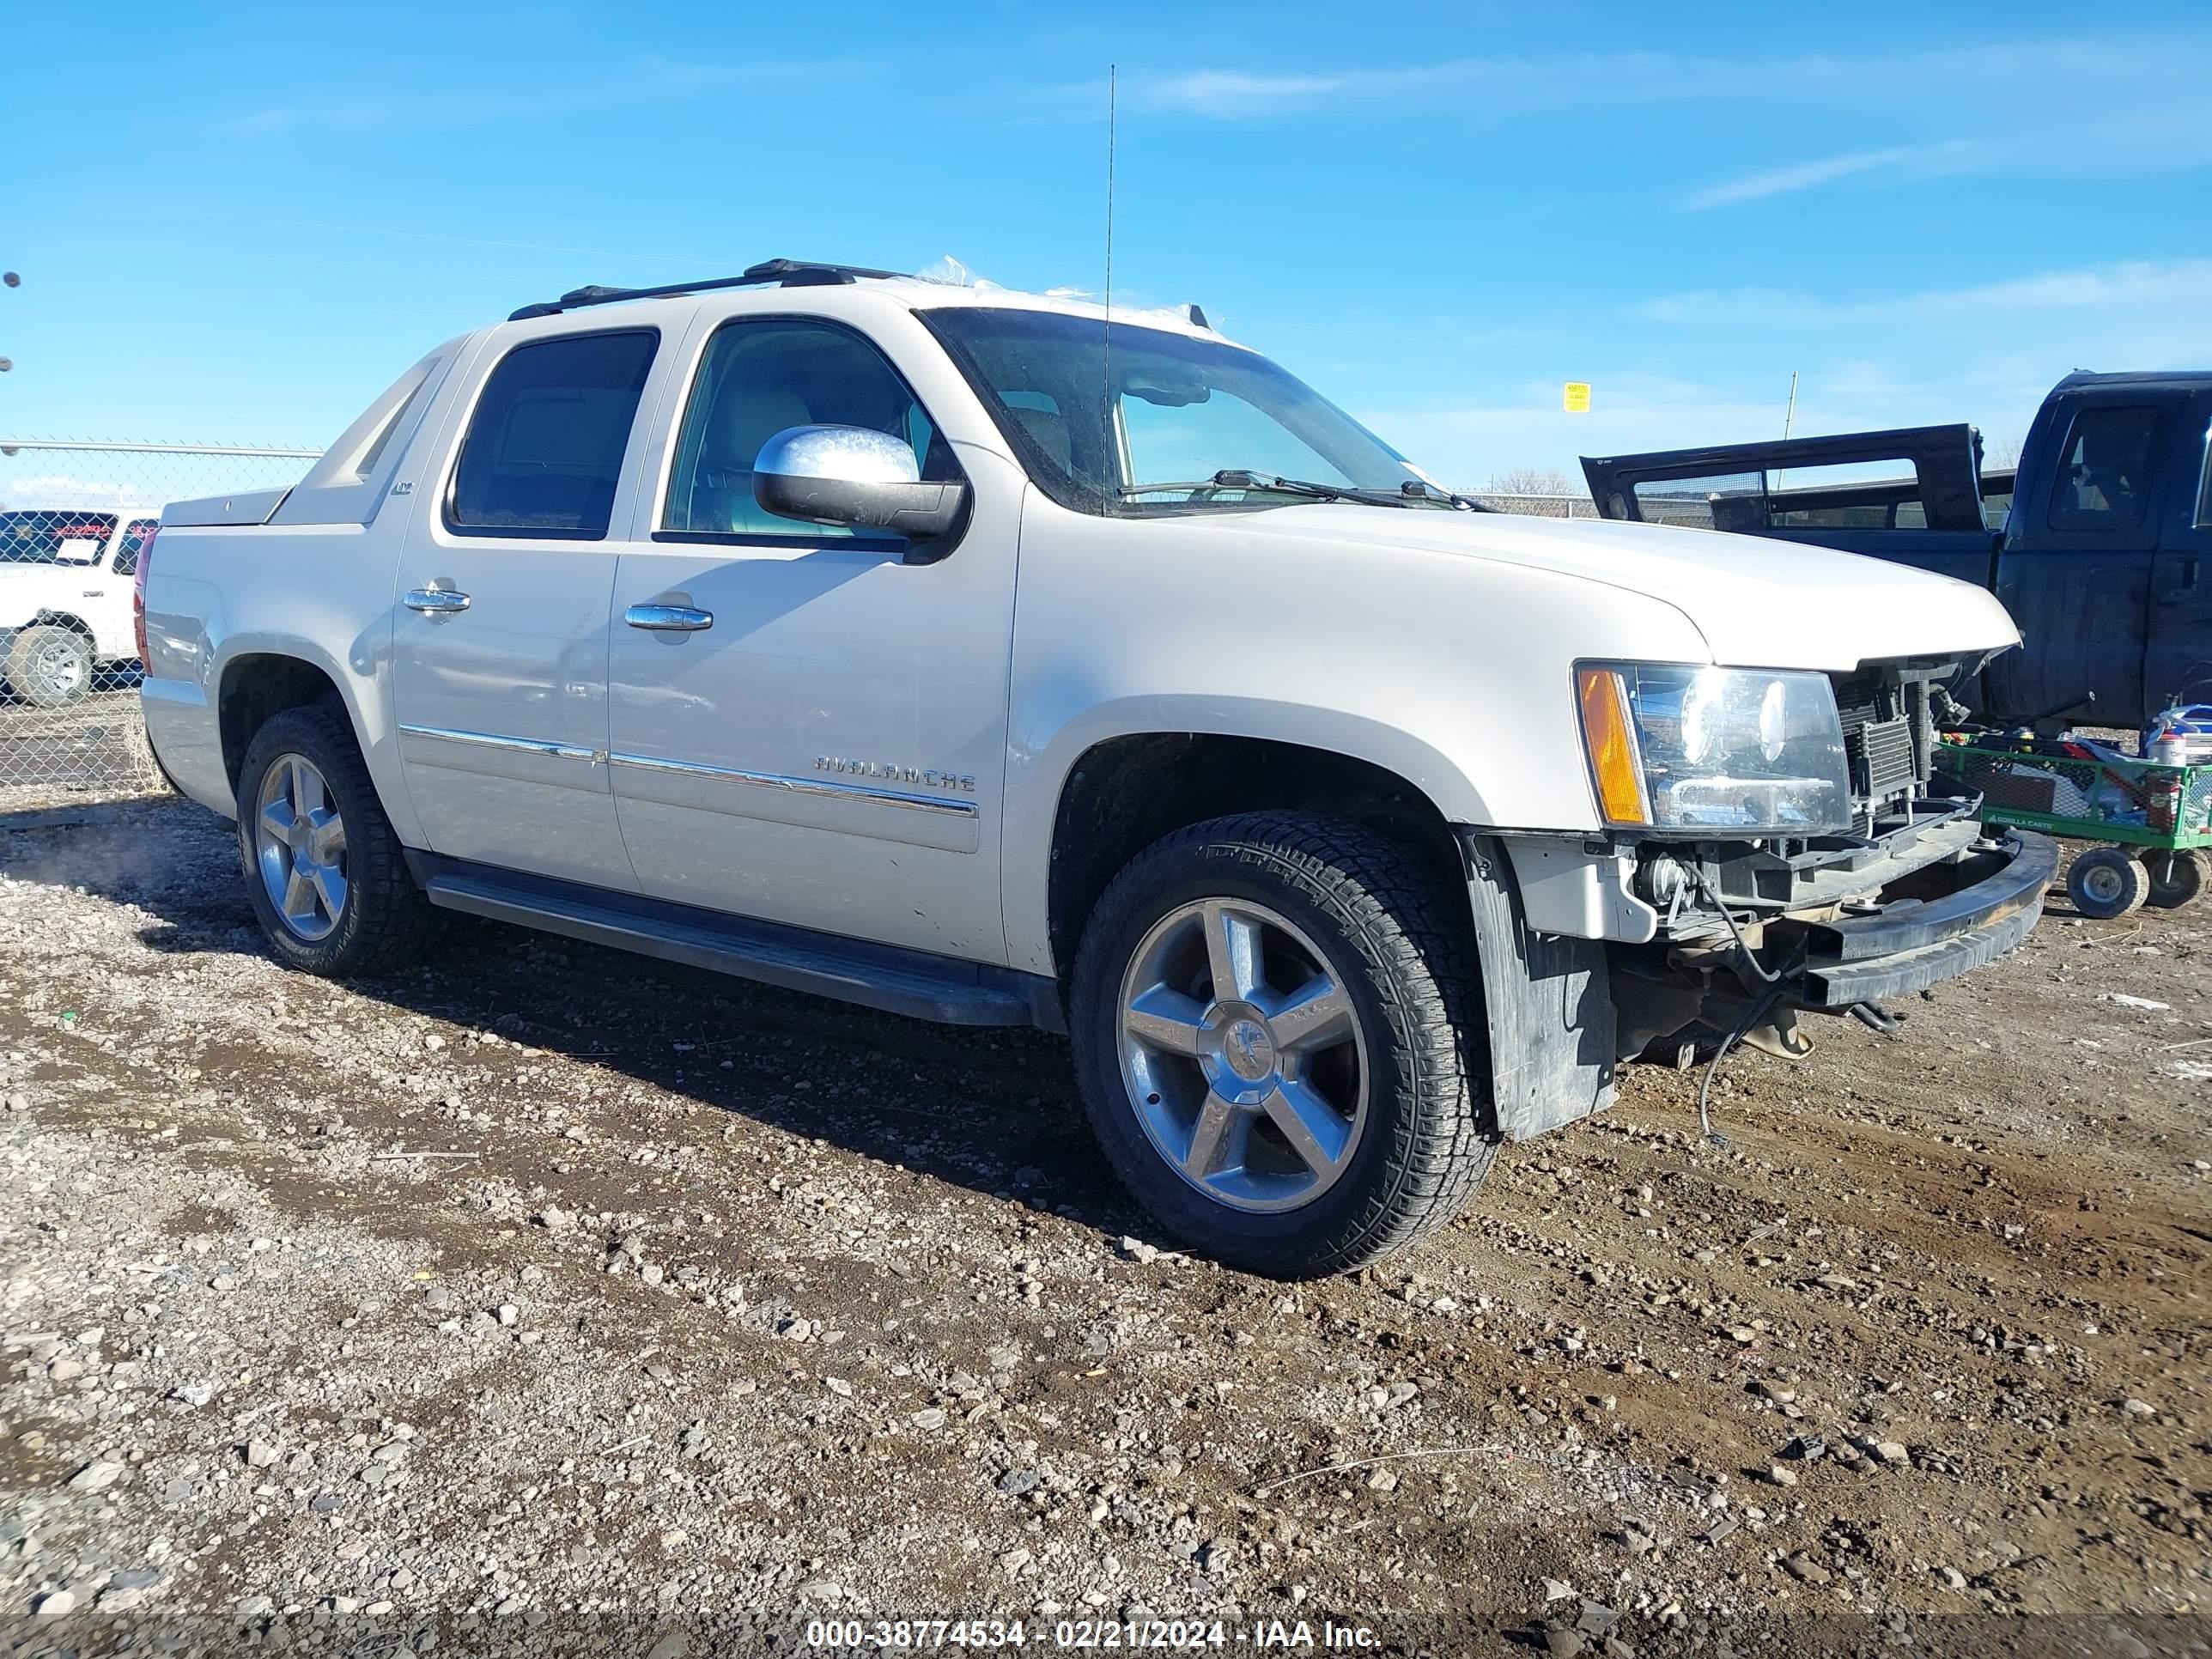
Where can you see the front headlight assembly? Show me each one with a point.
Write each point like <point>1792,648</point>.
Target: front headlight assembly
<point>1680,750</point>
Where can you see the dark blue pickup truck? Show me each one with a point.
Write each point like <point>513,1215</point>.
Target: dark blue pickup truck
<point>2099,544</point>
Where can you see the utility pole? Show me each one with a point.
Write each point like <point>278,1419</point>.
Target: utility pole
<point>13,280</point>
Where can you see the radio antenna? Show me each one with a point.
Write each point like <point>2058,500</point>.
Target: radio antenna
<point>1108,454</point>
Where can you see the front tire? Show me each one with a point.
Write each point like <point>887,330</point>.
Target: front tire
<point>1277,1038</point>
<point>326,876</point>
<point>50,666</point>
<point>2105,883</point>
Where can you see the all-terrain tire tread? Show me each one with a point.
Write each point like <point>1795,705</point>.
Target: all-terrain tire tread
<point>1416,948</point>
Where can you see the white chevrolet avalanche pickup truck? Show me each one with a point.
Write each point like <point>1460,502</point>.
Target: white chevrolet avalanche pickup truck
<point>959,653</point>
<point>66,578</point>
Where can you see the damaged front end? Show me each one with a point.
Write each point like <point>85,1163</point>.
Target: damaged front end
<point>1750,935</point>
<point>1675,946</point>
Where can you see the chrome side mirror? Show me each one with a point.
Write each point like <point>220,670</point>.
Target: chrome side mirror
<point>855,478</point>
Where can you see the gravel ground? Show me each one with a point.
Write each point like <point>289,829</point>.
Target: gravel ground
<point>549,1297</point>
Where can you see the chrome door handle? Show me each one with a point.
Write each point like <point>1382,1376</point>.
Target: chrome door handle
<point>434,601</point>
<point>668,618</point>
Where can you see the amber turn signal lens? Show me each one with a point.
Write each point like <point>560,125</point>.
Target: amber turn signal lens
<point>1611,743</point>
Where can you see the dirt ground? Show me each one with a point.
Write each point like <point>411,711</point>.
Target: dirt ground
<point>546,1297</point>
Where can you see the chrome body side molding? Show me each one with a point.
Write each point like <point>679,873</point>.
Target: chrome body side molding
<point>510,745</point>
<point>818,788</point>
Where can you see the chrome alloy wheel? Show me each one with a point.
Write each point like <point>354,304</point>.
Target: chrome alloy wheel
<point>1243,1055</point>
<point>300,842</point>
<point>58,668</point>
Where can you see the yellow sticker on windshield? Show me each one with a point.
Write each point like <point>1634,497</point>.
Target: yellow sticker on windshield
<point>1576,400</point>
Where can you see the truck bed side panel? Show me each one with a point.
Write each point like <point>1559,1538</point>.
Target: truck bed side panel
<point>321,594</point>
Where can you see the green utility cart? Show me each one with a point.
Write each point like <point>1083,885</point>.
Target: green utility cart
<point>2155,819</point>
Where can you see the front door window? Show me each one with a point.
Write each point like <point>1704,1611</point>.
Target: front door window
<point>760,377</point>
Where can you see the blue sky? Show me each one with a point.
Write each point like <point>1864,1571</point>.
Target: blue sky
<point>240,223</point>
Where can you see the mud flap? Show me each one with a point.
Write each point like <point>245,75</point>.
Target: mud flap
<point>1549,1001</point>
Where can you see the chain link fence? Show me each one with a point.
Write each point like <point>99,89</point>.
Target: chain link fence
<point>73,517</point>
<point>1537,506</point>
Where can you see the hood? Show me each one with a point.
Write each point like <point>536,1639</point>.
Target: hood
<point>26,569</point>
<point>1760,603</point>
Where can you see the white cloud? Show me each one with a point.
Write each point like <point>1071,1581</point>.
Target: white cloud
<point>1226,93</point>
<point>1918,159</point>
<point>1480,87</point>
<point>2017,85</point>
<point>2184,284</point>
<point>2080,126</point>
<point>1986,354</point>
<point>1465,447</point>
<point>64,491</point>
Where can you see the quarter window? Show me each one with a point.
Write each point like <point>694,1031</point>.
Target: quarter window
<point>544,448</point>
<point>2104,471</point>
<point>759,377</point>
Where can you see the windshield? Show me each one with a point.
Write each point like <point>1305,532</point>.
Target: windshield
<point>1141,420</point>
<point>54,538</point>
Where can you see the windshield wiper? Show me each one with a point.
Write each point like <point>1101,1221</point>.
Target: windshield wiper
<point>1231,477</point>
<point>1422,491</point>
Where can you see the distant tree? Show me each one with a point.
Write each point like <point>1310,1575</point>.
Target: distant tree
<point>1534,481</point>
<point>2001,456</point>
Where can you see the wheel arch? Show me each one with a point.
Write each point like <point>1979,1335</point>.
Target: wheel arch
<point>1546,1001</point>
<point>1122,793</point>
<point>258,675</point>
<point>255,686</point>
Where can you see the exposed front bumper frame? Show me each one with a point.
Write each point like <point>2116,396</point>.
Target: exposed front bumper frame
<point>1911,945</point>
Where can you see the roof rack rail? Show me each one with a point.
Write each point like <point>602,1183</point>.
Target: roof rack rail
<point>785,273</point>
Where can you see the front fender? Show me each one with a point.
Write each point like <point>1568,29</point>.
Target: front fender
<point>1450,669</point>
<point>1041,762</point>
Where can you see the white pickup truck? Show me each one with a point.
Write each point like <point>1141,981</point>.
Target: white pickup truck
<point>954,651</point>
<point>65,584</point>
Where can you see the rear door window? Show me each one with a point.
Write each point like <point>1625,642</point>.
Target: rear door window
<point>2105,471</point>
<point>544,448</point>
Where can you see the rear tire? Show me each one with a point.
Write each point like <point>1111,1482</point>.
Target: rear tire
<point>2105,883</point>
<point>1327,1104</point>
<point>327,876</point>
<point>2176,878</point>
<point>50,666</point>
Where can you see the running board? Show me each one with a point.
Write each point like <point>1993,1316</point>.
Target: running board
<point>899,981</point>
